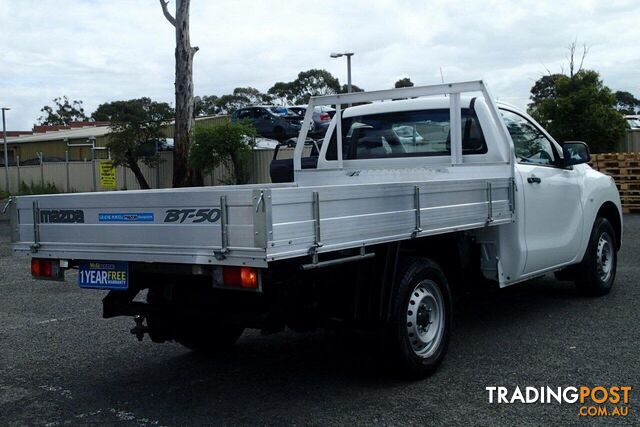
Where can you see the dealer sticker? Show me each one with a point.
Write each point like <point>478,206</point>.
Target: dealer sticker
<point>126,217</point>
<point>103,275</point>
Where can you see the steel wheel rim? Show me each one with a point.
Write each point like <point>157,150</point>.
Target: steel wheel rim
<point>604,257</point>
<point>425,318</point>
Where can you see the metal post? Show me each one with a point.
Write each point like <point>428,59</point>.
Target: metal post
<point>455,126</point>
<point>339,133</point>
<point>18,171</point>
<point>6,153</point>
<point>36,227</point>
<point>93,170</point>
<point>66,157</point>
<point>157,167</point>
<point>41,156</point>
<point>349,72</point>
<point>489,203</point>
<point>416,204</point>
<point>348,55</point>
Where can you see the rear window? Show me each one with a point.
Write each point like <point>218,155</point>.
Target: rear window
<point>243,114</point>
<point>282,111</point>
<point>405,134</point>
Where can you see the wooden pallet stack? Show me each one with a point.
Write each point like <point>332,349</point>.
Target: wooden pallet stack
<point>625,170</point>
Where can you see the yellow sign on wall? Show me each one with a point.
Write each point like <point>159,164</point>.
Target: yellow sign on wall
<point>108,175</point>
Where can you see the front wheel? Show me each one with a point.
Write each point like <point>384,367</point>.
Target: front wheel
<point>421,321</point>
<point>597,272</point>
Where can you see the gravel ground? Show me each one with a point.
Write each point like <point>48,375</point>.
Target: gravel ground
<point>60,363</point>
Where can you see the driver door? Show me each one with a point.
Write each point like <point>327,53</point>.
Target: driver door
<point>552,197</point>
<point>262,122</point>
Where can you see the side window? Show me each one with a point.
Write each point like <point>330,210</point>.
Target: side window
<point>405,134</point>
<point>530,144</point>
<point>243,114</point>
<point>261,113</point>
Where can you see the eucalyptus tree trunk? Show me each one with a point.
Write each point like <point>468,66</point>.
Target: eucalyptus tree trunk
<point>183,176</point>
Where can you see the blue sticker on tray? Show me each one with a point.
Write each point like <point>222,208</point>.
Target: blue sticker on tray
<point>126,217</point>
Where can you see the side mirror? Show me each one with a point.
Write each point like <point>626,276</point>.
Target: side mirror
<point>575,153</point>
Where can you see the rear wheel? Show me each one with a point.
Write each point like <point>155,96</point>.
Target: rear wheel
<point>279,133</point>
<point>597,271</point>
<point>420,329</point>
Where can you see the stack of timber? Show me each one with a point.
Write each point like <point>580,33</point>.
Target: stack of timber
<point>625,170</point>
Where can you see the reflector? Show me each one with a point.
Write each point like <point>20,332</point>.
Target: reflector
<point>41,267</point>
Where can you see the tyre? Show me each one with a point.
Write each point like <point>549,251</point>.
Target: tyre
<point>279,134</point>
<point>421,319</point>
<point>597,271</point>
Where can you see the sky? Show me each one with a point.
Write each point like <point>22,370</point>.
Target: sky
<point>106,50</point>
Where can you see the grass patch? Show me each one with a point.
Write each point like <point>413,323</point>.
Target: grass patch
<point>31,190</point>
<point>34,189</point>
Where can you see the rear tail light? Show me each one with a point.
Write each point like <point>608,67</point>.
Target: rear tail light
<point>325,117</point>
<point>36,267</point>
<point>42,268</point>
<point>240,277</point>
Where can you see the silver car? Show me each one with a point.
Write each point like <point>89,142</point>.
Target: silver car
<point>322,116</point>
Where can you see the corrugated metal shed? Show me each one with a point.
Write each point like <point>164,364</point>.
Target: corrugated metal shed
<point>55,143</point>
<point>79,133</point>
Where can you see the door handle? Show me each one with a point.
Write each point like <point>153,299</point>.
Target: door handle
<point>534,180</point>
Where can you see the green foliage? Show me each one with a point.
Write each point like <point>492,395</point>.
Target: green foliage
<point>241,97</point>
<point>314,82</point>
<point>544,88</point>
<point>137,126</point>
<point>4,195</point>
<point>309,83</point>
<point>33,189</point>
<point>63,112</point>
<point>251,95</point>
<point>206,105</point>
<point>626,103</point>
<point>404,82</point>
<point>283,91</point>
<point>354,88</point>
<point>112,110</point>
<point>228,144</point>
<point>579,107</point>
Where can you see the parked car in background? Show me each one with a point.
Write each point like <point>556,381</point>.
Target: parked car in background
<point>45,159</point>
<point>633,121</point>
<point>322,116</point>
<point>261,143</point>
<point>270,121</point>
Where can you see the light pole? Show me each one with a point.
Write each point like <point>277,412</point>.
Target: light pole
<point>348,55</point>
<point>6,153</point>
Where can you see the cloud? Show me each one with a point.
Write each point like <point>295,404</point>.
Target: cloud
<point>103,50</point>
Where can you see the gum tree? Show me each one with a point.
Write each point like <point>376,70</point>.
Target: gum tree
<point>183,176</point>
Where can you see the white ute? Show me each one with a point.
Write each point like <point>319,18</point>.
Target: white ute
<point>415,194</point>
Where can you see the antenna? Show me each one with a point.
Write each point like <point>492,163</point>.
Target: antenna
<point>441,75</point>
